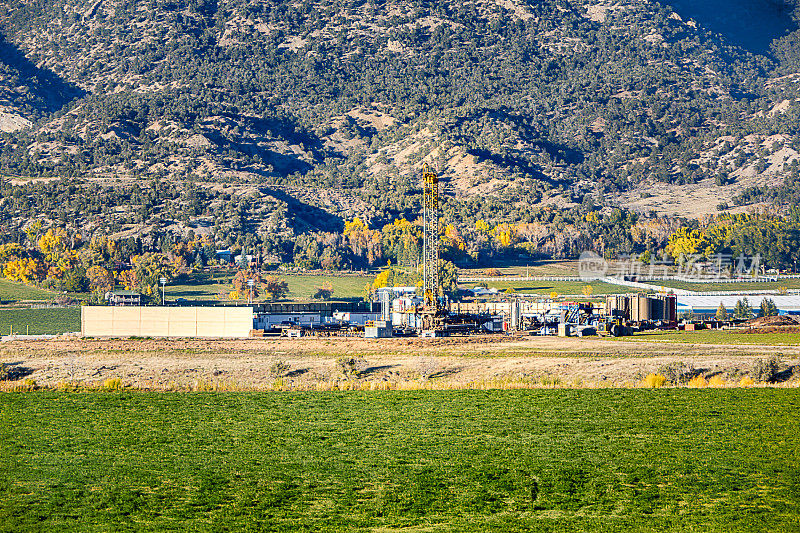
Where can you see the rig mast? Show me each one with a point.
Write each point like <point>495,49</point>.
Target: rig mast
<point>430,255</point>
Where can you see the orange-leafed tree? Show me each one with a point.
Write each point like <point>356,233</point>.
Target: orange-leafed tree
<point>275,288</point>
<point>128,279</point>
<point>100,278</point>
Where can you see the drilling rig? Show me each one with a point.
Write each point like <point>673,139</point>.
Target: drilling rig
<point>430,254</point>
<point>437,320</point>
<point>433,309</point>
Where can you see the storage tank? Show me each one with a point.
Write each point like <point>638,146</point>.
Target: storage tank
<point>671,309</point>
<point>657,308</point>
<point>637,305</point>
<point>617,305</point>
<point>643,314</point>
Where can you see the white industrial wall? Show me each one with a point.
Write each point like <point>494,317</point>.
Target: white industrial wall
<point>114,321</point>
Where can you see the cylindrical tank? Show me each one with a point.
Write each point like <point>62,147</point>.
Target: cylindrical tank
<point>671,309</point>
<point>656,308</point>
<point>618,305</point>
<point>644,308</point>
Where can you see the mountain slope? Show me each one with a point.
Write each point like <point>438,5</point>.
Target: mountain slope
<point>528,103</point>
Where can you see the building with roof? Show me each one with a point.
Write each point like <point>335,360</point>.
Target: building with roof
<point>124,297</point>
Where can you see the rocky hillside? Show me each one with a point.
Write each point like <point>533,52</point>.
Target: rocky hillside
<point>334,105</point>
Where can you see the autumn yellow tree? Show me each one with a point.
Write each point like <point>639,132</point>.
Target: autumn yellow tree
<point>275,288</point>
<point>352,226</point>
<point>128,279</point>
<point>26,270</point>
<point>453,237</point>
<point>505,234</point>
<point>150,268</point>
<point>53,244</point>
<point>241,285</point>
<point>179,265</point>
<point>100,278</point>
<point>402,240</point>
<point>382,279</point>
<point>685,242</point>
<point>482,226</point>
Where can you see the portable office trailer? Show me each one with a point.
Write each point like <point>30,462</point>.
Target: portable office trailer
<point>355,319</point>
<point>273,321</point>
<point>379,329</point>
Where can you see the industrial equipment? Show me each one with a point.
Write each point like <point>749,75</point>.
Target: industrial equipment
<point>644,310</point>
<point>614,326</point>
<point>430,257</point>
<point>433,313</point>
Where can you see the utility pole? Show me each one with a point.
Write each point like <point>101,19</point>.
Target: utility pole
<point>163,281</point>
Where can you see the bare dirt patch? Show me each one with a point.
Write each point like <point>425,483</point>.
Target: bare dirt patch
<point>251,363</point>
<point>772,321</point>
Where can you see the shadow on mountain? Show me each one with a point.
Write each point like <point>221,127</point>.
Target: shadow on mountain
<point>511,162</point>
<point>288,129</point>
<point>282,163</point>
<point>47,85</point>
<point>749,24</point>
<point>305,216</point>
<point>283,129</point>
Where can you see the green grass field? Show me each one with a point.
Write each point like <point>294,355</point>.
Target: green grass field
<point>304,287</point>
<point>301,287</point>
<point>557,460</point>
<point>535,268</point>
<point>711,286</point>
<point>546,287</point>
<point>13,291</point>
<point>40,321</point>
<point>714,336</point>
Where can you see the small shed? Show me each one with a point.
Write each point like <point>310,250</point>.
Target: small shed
<point>224,256</point>
<point>124,297</point>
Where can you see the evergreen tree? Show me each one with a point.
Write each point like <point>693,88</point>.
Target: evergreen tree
<point>768,307</point>
<point>743,309</point>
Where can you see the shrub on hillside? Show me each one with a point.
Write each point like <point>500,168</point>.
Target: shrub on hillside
<point>323,292</point>
<point>698,382</point>
<point>766,370</point>
<point>653,381</point>
<point>716,382</point>
<point>112,384</point>
<point>746,382</point>
<point>350,366</point>
<point>279,368</point>
<point>677,372</point>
